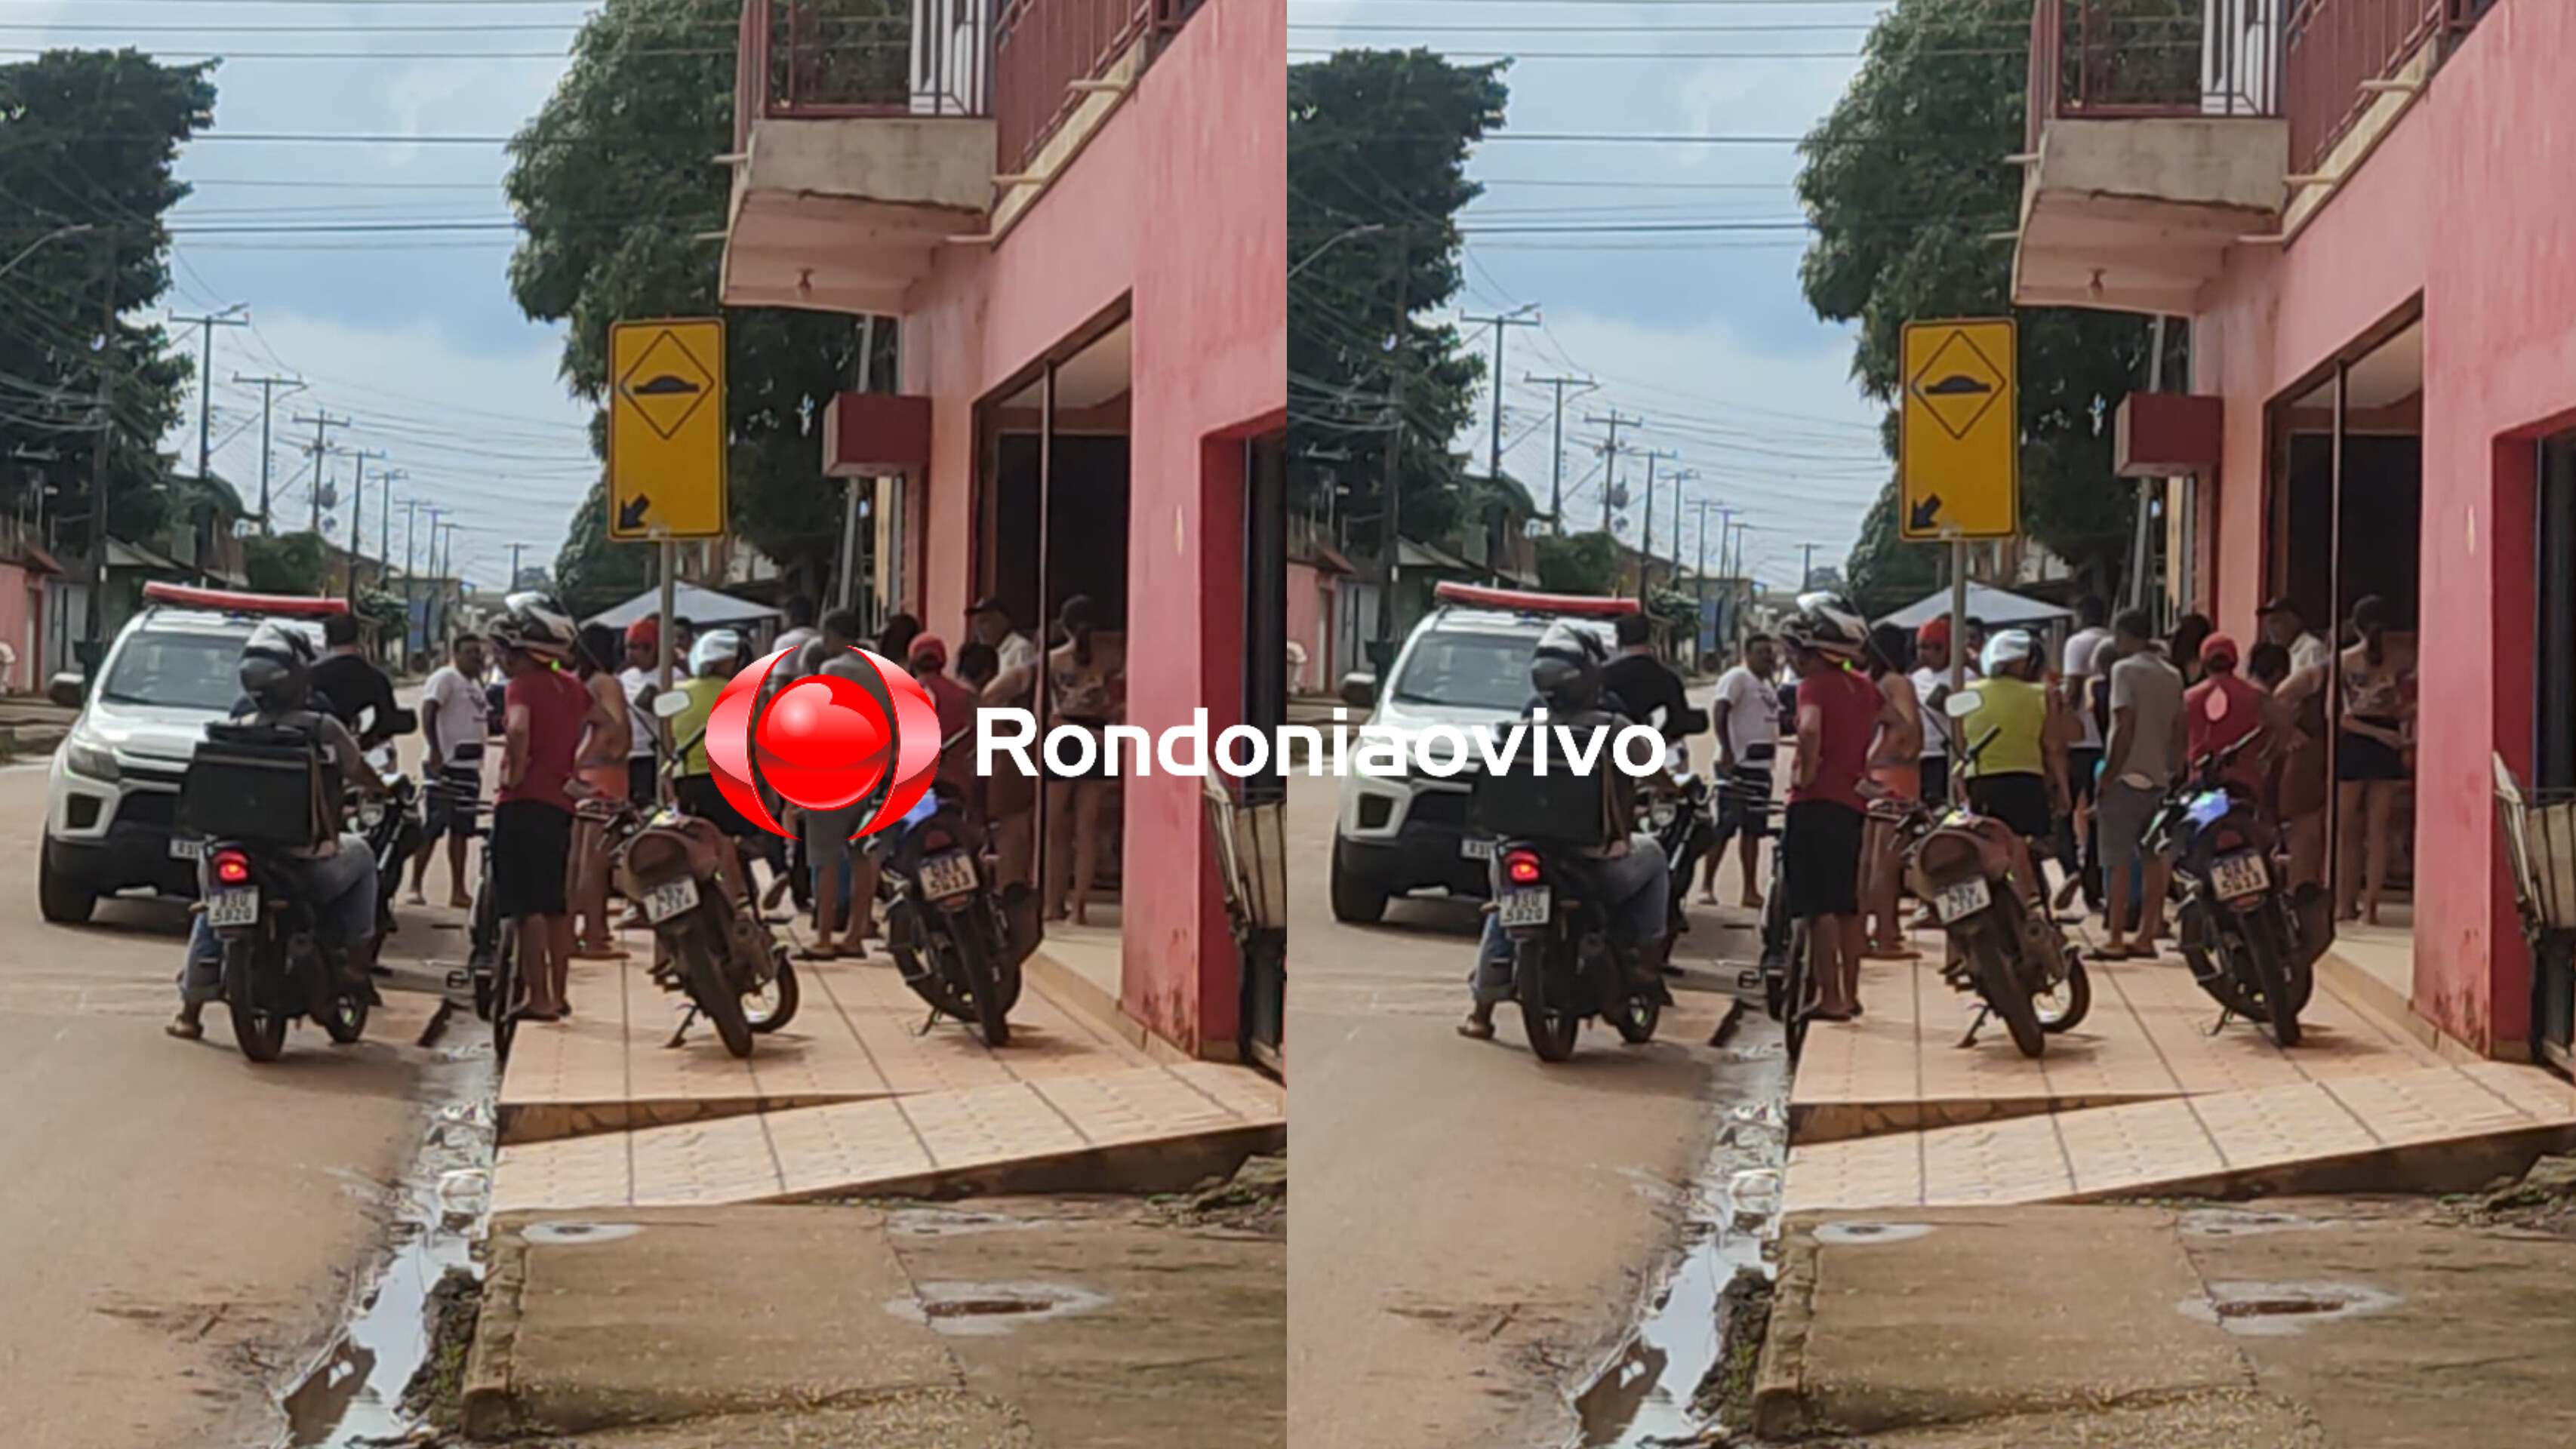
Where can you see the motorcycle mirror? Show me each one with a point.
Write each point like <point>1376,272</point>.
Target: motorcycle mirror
<point>1959,705</point>
<point>670,704</point>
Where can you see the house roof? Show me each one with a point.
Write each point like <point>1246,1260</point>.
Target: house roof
<point>1326,557</point>
<point>1413,554</point>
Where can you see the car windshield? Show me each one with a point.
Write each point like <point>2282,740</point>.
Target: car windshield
<point>176,671</point>
<point>1466,671</point>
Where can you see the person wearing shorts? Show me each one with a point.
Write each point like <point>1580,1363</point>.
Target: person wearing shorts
<point>2013,754</point>
<point>1746,717</point>
<point>454,717</point>
<point>545,708</point>
<point>2141,757</point>
<point>1839,711</point>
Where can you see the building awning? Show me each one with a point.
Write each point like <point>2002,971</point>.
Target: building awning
<point>1325,557</point>
<point>123,555</point>
<point>1414,555</point>
<point>33,558</point>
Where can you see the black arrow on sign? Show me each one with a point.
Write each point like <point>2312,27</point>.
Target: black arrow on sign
<point>631,517</point>
<point>1924,513</point>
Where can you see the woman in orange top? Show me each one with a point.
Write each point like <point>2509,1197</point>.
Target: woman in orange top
<point>607,739</point>
<point>1896,767</point>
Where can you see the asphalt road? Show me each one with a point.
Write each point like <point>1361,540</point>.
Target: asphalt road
<point>181,1229</point>
<point>1472,1230</point>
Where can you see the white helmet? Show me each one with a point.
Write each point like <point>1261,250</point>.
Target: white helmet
<point>534,624</point>
<point>2006,648</point>
<point>1826,625</point>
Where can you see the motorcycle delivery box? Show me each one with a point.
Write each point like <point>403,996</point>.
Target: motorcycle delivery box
<point>256,783</point>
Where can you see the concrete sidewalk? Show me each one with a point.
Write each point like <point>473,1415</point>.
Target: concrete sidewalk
<point>2316,1323</point>
<point>1025,1324</point>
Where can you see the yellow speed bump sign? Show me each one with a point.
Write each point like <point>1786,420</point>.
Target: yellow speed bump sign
<point>1959,432</point>
<point>666,430</point>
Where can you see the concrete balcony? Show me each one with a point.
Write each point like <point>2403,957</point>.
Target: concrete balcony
<point>2156,143</point>
<point>864,142</point>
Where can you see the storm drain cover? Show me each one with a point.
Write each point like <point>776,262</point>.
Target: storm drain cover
<point>1847,1234</point>
<point>2274,1310</point>
<point>981,1309</point>
<point>553,1234</point>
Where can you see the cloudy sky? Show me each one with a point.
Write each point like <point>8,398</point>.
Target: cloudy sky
<point>410,335</point>
<point>1666,270</point>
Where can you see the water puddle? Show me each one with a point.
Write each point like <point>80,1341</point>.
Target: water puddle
<point>2278,1310</point>
<point>1643,1398</point>
<point>985,1309</point>
<point>352,1398</point>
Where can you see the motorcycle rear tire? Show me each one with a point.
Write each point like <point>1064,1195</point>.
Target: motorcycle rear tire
<point>981,959</point>
<point>2270,961</point>
<point>1999,981</point>
<point>1552,1031</point>
<point>782,990</point>
<point>2079,1001</point>
<point>714,993</point>
<point>260,1034</point>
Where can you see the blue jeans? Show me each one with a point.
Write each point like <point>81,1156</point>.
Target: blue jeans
<point>341,890</point>
<point>1635,892</point>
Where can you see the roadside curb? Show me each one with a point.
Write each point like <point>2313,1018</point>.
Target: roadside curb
<point>1779,1377</point>
<point>483,1401</point>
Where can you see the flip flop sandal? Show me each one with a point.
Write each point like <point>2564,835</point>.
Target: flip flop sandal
<point>1476,1030</point>
<point>185,1030</point>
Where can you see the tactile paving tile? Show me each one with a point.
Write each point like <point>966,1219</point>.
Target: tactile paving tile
<point>2141,1147</point>
<point>851,1147</point>
<point>2148,1036</point>
<point>857,1035</point>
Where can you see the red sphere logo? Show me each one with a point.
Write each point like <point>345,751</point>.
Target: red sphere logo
<point>824,742</point>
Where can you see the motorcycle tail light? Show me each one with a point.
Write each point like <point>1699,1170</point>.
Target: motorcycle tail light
<point>232,868</point>
<point>1521,867</point>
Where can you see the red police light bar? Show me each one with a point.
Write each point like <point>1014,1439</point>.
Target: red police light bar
<point>1526,601</point>
<point>232,601</point>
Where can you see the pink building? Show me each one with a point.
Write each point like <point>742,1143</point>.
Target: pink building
<point>1075,208</point>
<point>2357,205</point>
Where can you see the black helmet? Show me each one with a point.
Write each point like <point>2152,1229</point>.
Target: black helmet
<point>277,666</point>
<point>1565,669</point>
<point>1826,625</point>
<point>534,624</point>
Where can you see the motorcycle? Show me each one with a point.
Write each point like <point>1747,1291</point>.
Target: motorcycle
<point>959,941</point>
<point>2251,943</point>
<point>1676,809</point>
<point>2011,953</point>
<point>1568,964</point>
<point>393,825</point>
<point>277,969</point>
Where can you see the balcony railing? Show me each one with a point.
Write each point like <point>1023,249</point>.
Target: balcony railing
<point>2110,59</point>
<point>834,59</point>
<point>1044,49</point>
<point>2310,61</point>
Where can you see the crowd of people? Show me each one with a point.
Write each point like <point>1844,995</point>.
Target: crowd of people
<point>2074,755</point>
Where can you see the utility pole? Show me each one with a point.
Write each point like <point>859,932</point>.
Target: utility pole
<point>1502,323</point>
<point>1646,538</point>
<point>385,519</point>
<point>268,387</point>
<point>411,588</point>
<point>206,373</point>
<point>1610,465</point>
<point>106,439</point>
<point>358,513</point>
<point>322,423</point>
<point>1807,569</point>
<point>1556,457</point>
<point>515,550</point>
<point>1399,358</point>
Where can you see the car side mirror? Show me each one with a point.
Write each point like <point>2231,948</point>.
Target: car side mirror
<point>67,690</point>
<point>1359,691</point>
<point>1959,705</point>
<point>670,704</point>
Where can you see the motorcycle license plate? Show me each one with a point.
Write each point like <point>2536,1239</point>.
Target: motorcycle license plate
<point>944,877</point>
<point>1523,908</point>
<point>672,898</point>
<point>1472,849</point>
<point>232,909</point>
<point>1958,902</point>
<point>2237,876</point>
<point>183,848</point>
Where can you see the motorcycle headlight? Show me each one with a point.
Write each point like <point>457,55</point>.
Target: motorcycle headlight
<point>91,760</point>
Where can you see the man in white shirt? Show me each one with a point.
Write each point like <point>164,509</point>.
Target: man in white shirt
<point>800,629</point>
<point>1931,686</point>
<point>990,620</point>
<point>2086,665</point>
<point>1746,717</point>
<point>453,717</point>
<point>2285,625</point>
<point>639,679</point>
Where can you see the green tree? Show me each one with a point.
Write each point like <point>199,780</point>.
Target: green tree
<point>87,139</point>
<point>1581,563</point>
<point>286,563</point>
<point>1907,186</point>
<point>613,182</point>
<point>1377,154</point>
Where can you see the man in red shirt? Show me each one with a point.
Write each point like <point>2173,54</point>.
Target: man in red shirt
<point>956,704</point>
<point>2224,708</point>
<point>1839,711</point>
<point>532,821</point>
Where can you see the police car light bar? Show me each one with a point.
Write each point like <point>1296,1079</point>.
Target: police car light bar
<point>1526,601</point>
<point>232,601</point>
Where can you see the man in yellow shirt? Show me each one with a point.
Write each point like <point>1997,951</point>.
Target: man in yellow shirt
<point>2013,750</point>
